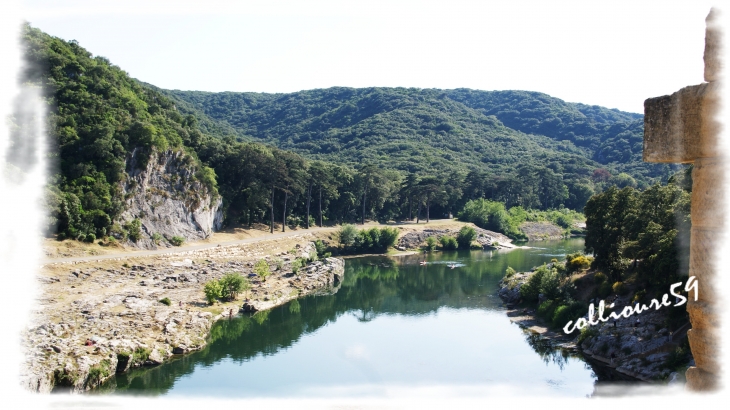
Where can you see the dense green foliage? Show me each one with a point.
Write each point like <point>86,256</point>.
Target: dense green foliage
<point>354,154</point>
<point>100,116</point>
<point>261,268</point>
<point>648,231</point>
<point>371,240</point>
<point>494,216</point>
<point>226,288</point>
<point>465,237</point>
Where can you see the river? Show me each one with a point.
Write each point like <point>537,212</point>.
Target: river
<point>393,326</point>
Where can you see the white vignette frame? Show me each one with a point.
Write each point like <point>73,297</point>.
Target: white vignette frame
<point>20,291</point>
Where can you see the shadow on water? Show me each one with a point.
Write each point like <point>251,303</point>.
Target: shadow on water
<point>372,286</point>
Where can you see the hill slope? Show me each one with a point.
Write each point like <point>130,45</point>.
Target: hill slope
<point>419,130</point>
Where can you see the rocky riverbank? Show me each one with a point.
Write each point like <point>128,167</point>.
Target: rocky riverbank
<point>99,318</point>
<point>639,351</point>
<point>487,239</point>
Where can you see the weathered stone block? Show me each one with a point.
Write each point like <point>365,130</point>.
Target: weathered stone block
<point>708,193</point>
<point>713,47</point>
<point>683,126</point>
<point>705,346</point>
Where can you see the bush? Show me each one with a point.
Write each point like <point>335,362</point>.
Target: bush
<point>430,243</point>
<point>599,278</point>
<point>586,333</point>
<point>262,269</point>
<point>578,263</point>
<point>639,296</point>
<point>321,249</point>
<point>297,264</point>
<point>90,237</point>
<point>619,288</point>
<point>530,290</point>
<point>98,373</point>
<point>465,237</point>
<point>213,291</point>
<point>232,284</point>
<point>166,301</point>
<point>509,272</point>
<point>133,229</point>
<point>604,290</point>
<point>347,234</point>
<point>550,284</point>
<point>156,237</point>
<point>546,309</point>
<point>448,243</point>
<point>388,236</point>
<point>177,240</point>
<point>565,313</point>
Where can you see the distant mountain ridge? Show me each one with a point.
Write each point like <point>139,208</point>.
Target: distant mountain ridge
<point>415,129</point>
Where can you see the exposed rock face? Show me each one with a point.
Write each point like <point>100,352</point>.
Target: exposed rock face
<point>168,199</point>
<point>684,127</point>
<point>540,231</point>
<point>413,240</point>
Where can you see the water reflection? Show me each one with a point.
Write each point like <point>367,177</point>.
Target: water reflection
<point>430,309</point>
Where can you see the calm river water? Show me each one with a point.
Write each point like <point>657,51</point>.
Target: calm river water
<point>393,325</point>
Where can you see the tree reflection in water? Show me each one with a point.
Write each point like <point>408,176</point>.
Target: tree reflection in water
<point>372,286</point>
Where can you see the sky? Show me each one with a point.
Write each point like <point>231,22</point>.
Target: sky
<point>614,54</point>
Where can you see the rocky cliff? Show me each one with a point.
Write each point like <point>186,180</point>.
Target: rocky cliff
<point>169,199</point>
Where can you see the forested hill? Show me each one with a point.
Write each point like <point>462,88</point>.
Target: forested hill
<point>419,130</point>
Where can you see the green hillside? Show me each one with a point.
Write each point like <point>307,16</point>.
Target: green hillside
<point>419,130</point>
<point>372,153</point>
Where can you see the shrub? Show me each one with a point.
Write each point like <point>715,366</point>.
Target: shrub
<point>156,237</point>
<point>279,263</point>
<point>232,284</point>
<point>550,284</point>
<point>546,309</point>
<point>213,291</point>
<point>388,236</point>
<point>509,272</point>
<point>619,288</point>
<point>465,237</point>
<point>90,237</point>
<point>132,227</point>
<point>639,296</point>
<point>347,234</point>
<point>430,243</point>
<point>604,290</point>
<point>321,249</point>
<point>530,290</point>
<point>578,263</point>
<point>177,240</point>
<point>586,333</point>
<point>166,301</point>
<point>565,313</point>
<point>366,240</point>
<point>448,243</point>
<point>297,264</point>
<point>98,373</point>
<point>599,278</point>
<point>262,269</point>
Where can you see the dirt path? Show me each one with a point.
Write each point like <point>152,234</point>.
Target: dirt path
<point>188,248</point>
<point>221,239</point>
